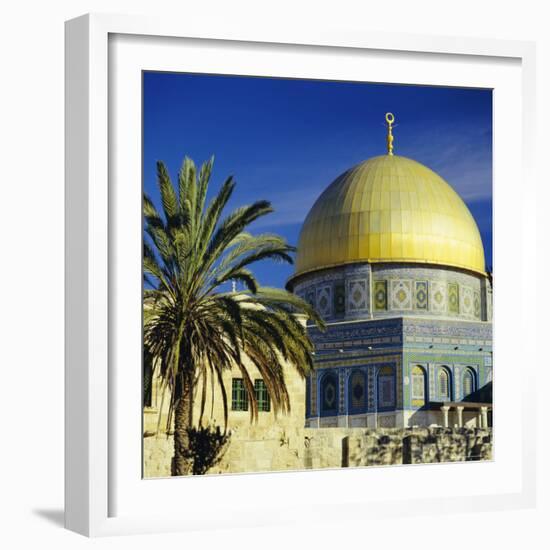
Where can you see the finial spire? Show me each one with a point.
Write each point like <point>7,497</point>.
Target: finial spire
<point>389,140</point>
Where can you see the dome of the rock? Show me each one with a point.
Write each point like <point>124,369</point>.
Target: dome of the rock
<point>389,209</point>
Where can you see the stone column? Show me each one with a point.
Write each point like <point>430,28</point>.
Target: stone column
<point>445,411</point>
<point>459,410</point>
<point>484,422</point>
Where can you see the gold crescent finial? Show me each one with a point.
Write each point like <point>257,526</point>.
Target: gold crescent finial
<point>389,139</point>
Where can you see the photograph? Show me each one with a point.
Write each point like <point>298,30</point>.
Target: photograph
<point>270,256</point>
<point>317,274</point>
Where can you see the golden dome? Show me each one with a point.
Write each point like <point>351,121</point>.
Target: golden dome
<point>389,209</point>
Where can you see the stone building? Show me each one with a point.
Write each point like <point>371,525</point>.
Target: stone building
<point>392,259</point>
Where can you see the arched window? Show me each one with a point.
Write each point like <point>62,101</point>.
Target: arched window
<point>468,383</point>
<point>329,394</point>
<point>444,384</point>
<point>418,386</point>
<point>386,388</point>
<point>357,392</point>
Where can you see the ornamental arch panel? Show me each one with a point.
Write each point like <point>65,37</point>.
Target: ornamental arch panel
<point>328,394</point>
<point>444,384</point>
<point>386,388</point>
<point>469,384</point>
<point>418,386</point>
<point>357,392</point>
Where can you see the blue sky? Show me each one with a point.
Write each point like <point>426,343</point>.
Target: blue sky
<point>285,140</point>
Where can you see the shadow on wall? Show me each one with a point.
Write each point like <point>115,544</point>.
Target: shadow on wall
<point>483,395</point>
<point>430,414</point>
<point>207,446</point>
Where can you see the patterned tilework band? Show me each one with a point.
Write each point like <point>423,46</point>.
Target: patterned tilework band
<point>378,290</point>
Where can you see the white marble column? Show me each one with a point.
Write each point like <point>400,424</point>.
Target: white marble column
<point>459,411</point>
<point>484,422</point>
<point>445,411</point>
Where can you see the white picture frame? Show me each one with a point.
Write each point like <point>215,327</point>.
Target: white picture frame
<point>105,53</point>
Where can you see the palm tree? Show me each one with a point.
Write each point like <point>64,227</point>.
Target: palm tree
<point>194,329</point>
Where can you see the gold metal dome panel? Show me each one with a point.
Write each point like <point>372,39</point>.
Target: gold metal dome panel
<point>389,209</point>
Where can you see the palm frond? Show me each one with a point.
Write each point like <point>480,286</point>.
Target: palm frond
<point>168,196</point>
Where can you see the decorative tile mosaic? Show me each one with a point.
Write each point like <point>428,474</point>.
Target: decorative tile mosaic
<point>466,300</point>
<point>339,298</point>
<point>386,387</point>
<point>438,296</point>
<point>401,294</point>
<point>310,297</point>
<point>392,331</point>
<point>399,384</point>
<point>357,390</point>
<point>342,386</point>
<point>477,304</point>
<point>418,385</point>
<point>357,376</point>
<point>457,379</point>
<point>357,295</point>
<point>313,385</point>
<point>478,331</point>
<point>368,331</point>
<point>370,388</point>
<point>324,300</point>
<point>435,304</point>
<point>380,295</point>
<point>329,393</point>
<point>452,295</point>
<point>421,295</point>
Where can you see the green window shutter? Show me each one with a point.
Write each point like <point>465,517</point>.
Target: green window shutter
<point>239,397</point>
<point>262,396</point>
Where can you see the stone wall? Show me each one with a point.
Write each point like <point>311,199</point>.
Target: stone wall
<point>157,455</point>
<point>255,449</point>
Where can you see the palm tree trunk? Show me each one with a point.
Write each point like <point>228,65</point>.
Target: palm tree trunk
<point>183,420</point>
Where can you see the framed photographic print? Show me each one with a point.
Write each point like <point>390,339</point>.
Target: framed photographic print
<point>295,258</point>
